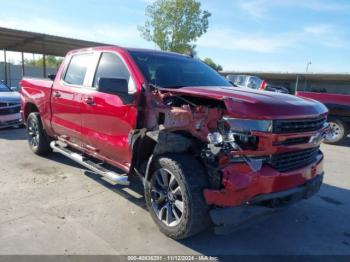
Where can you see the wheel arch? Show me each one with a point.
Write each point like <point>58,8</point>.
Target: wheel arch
<point>148,144</point>
<point>29,108</point>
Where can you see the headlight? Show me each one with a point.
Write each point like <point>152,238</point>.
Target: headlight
<point>215,138</point>
<point>244,125</point>
<point>238,130</point>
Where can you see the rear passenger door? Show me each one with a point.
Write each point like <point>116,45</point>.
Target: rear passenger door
<point>66,100</point>
<point>109,110</point>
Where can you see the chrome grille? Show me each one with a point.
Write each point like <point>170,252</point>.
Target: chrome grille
<point>9,110</point>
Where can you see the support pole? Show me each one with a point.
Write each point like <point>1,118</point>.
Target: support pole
<point>23,65</point>
<point>5,66</point>
<point>44,66</point>
<point>296,84</point>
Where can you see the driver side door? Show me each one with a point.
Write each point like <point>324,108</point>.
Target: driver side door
<point>109,115</point>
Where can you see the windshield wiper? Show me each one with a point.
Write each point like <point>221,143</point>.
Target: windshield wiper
<point>154,86</point>
<point>175,87</point>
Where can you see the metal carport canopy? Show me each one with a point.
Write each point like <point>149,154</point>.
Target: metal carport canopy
<point>29,42</point>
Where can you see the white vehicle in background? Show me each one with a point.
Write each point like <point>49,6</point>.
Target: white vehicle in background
<point>255,82</point>
<point>10,104</point>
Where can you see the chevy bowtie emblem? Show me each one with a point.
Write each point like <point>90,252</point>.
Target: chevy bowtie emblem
<point>315,139</point>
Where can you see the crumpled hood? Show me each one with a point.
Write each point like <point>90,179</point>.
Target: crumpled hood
<point>10,97</point>
<point>256,104</point>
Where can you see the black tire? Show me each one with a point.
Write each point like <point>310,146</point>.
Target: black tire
<point>191,178</point>
<point>38,140</point>
<point>338,133</point>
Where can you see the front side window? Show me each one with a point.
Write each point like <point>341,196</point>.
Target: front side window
<point>110,66</point>
<point>77,68</point>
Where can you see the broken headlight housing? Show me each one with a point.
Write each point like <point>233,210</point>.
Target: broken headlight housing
<point>239,131</point>
<point>238,125</point>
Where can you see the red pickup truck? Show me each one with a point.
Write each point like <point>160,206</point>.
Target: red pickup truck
<point>338,103</point>
<point>207,153</point>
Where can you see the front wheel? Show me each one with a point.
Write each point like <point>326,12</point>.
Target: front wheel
<point>338,132</point>
<point>174,195</point>
<point>38,141</point>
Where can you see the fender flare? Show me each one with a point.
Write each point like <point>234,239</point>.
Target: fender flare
<point>163,142</point>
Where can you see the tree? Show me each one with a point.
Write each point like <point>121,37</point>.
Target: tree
<point>212,64</point>
<point>51,61</point>
<point>174,25</point>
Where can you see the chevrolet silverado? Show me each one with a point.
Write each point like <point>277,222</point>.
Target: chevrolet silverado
<point>206,152</point>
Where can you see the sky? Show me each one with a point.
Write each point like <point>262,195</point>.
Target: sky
<point>243,35</point>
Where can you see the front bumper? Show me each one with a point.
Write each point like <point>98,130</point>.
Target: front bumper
<point>229,219</point>
<point>10,120</point>
<point>241,184</point>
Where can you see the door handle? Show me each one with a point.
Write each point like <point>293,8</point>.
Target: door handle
<point>89,101</point>
<point>57,94</point>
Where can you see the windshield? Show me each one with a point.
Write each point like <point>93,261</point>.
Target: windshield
<point>175,71</point>
<point>4,88</point>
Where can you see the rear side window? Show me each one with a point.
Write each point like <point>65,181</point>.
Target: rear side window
<point>110,66</point>
<point>77,68</point>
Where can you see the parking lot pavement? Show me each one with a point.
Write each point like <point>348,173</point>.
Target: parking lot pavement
<point>53,206</point>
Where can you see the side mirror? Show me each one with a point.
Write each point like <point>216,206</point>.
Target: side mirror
<point>116,86</point>
<point>14,88</point>
<point>51,77</point>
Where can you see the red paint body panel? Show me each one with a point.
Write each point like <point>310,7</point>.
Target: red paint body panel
<point>270,143</point>
<point>337,104</point>
<point>37,92</point>
<point>256,104</point>
<point>106,126</point>
<point>66,112</point>
<point>241,184</point>
<point>326,98</point>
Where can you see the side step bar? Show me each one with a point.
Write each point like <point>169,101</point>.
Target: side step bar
<point>117,178</point>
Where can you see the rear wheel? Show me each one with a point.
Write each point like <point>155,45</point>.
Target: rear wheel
<point>338,132</point>
<point>38,141</point>
<point>174,195</point>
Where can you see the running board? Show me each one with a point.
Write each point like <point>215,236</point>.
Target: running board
<point>117,178</point>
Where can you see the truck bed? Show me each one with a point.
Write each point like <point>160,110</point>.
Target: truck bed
<point>36,82</point>
<point>36,91</point>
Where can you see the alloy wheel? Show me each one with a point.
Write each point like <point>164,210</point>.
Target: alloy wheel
<point>335,133</point>
<point>33,133</point>
<point>166,197</point>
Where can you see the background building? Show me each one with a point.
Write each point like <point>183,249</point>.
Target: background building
<point>316,82</point>
<point>39,47</point>
<point>14,72</point>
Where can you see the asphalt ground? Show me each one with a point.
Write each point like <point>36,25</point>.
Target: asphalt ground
<point>53,206</point>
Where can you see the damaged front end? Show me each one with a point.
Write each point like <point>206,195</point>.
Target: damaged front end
<point>261,171</point>
<point>254,166</point>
